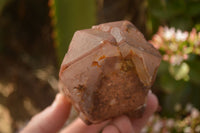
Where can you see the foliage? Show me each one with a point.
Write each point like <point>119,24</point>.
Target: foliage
<point>176,46</point>
<point>2,4</point>
<point>178,76</point>
<point>182,14</point>
<point>69,16</point>
<point>187,120</point>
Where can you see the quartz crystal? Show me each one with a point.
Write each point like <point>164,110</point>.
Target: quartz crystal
<point>108,71</point>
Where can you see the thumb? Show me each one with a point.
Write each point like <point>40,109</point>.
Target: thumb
<point>51,119</point>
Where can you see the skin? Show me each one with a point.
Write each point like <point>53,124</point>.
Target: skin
<point>53,118</point>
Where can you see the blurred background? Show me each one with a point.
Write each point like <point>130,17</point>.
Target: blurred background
<point>35,34</point>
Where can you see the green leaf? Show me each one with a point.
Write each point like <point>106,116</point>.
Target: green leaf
<point>193,9</point>
<point>167,10</point>
<point>163,67</point>
<point>180,72</point>
<point>180,22</point>
<point>72,15</point>
<point>167,82</point>
<point>2,4</point>
<point>194,71</point>
<point>197,27</point>
<point>177,97</point>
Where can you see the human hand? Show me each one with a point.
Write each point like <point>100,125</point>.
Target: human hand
<point>53,118</point>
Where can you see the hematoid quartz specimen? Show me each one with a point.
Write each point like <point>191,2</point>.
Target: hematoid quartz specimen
<point>108,71</point>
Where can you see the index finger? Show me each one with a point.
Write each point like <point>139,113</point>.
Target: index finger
<point>51,119</point>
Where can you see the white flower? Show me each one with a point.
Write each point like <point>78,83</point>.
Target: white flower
<point>157,41</point>
<point>173,46</point>
<point>187,130</point>
<point>193,35</point>
<point>185,56</point>
<point>151,119</point>
<point>165,57</point>
<point>168,33</point>
<point>194,113</point>
<point>197,129</point>
<point>181,36</point>
<point>157,127</point>
<point>144,130</point>
<point>176,59</point>
<point>188,107</point>
<point>170,123</point>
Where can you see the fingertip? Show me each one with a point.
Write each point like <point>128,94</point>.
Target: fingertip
<point>60,100</point>
<point>110,129</point>
<point>123,124</point>
<point>152,102</point>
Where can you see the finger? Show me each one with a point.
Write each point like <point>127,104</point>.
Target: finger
<point>152,105</point>
<point>111,129</point>
<point>52,118</point>
<point>78,126</point>
<point>120,124</point>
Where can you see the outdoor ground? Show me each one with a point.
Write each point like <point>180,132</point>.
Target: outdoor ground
<point>28,66</point>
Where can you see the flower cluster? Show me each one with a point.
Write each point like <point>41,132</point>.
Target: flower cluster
<point>187,120</point>
<point>176,45</point>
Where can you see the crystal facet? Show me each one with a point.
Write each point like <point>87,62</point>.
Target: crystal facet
<point>108,71</point>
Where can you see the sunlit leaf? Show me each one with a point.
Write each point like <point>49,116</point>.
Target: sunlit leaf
<point>180,72</point>
<point>72,15</point>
